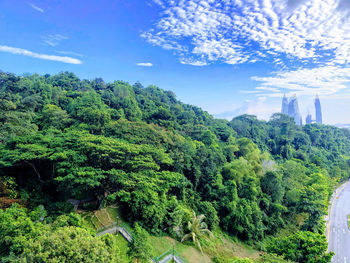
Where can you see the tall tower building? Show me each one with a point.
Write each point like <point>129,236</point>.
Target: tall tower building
<point>318,110</point>
<point>285,105</point>
<point>293,110</point>
<point>308,119</point>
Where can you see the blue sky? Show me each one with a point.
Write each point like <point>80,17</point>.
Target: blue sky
<point>229,57</point>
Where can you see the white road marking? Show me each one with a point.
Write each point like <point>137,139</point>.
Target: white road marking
<point>344,259</point>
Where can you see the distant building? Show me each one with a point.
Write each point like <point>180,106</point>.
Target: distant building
<point>293,110</point>
<point>309,119</point>
<point>285,105</point>
<point>290,107</point>
<point>318,110</point>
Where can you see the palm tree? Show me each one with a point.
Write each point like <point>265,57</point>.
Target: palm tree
<point>197,230</point>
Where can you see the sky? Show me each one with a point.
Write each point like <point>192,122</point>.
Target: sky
<point>228,57</point>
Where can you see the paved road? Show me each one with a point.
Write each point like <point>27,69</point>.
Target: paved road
<point>337,231</point>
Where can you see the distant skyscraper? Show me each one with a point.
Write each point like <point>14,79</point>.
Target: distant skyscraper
<point>285,105</point>
<point>318,110</point>
<point>308,119</point>
<point>293,110</point>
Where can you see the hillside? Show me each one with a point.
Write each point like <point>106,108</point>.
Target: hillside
<point>163,163</point>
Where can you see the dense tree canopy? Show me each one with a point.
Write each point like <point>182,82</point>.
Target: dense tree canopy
<point>160,159</point>
<point>25,239</point>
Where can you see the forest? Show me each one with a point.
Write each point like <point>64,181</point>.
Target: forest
<point>165,163</point>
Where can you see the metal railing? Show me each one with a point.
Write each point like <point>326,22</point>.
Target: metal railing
<point>170,252</point>
<point>101,229</point>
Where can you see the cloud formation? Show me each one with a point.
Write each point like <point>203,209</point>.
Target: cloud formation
<point>325,81</point>
<point>24,52</point>
<point>144,64</point>
<point>159,2</point>
<point>235,32</point>
<point>70,53</point>
<point>36,8</point>
<point>53,40</point>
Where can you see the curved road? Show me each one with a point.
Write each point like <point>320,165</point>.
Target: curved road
<point>337,230</point>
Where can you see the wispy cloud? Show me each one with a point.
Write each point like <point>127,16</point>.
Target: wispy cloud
<point>159,2</point>
<point>36,8</point>
<point>198,63</point>
<point>53,40</point>
<point>236,32</point>
<point>70,53</point>
<point>144,64</point>
<point>326,81</point>
<point>24,52</point>
<point>163,42</point>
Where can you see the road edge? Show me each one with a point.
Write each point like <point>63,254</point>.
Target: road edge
<point>330,207</point>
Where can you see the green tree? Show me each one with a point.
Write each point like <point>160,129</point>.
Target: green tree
<point>198,229</point>
<point>54,116</point>
<point>303,247</point>
<point>139,248</point>
<point>70,244</point>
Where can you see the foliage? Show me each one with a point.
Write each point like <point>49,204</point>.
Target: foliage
<point>139,248</point>
<point>303,246</point>
<point>24,239</point>
<point>198,229</point>
<point>158,158</point>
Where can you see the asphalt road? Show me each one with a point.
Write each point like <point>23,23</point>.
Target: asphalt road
<point>337,229</point>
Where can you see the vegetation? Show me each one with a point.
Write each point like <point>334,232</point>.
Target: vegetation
<point>139,248</point>
<point>197,230</point>
<point>159,160</point>
<point>26,239</point>
<point>303,246</point>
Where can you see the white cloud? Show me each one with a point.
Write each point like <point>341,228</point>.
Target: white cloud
<point>159,2</point>
<point>326,81</point>
<point>162,42</point>
<point>144,64</point>
<point>24,52</point>
<point>36,8</point>
<point>238,31</point>
<point>189,61</point>
<point>307,40</point>
<point>70,53</point>
<point>54,40</point>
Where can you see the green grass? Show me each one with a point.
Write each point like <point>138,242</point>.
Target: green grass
<point>222,244</point>
<point>95,222</point>
<point>188,253</point>
<point>349,221</point>
<point>105,216</point>
<point>113,212</point>
<point>87,220</point>
<point>123,247</point>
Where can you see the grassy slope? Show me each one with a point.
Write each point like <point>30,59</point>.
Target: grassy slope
<point>222,244</point>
